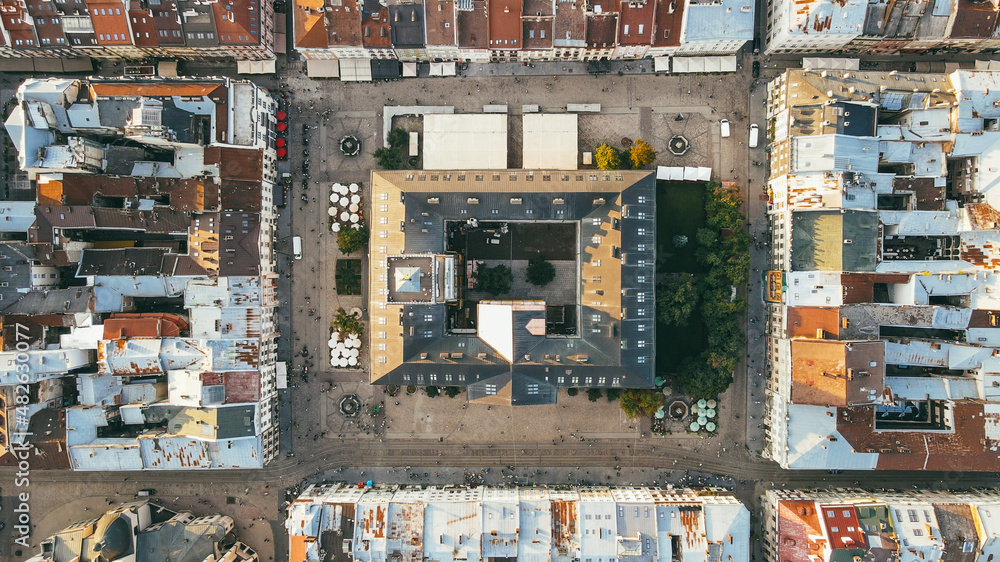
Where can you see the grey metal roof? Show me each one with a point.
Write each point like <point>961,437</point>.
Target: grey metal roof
<point>407,25</point>
<point>15,265</point>
<point>56,301</point>
<point>125,261</point>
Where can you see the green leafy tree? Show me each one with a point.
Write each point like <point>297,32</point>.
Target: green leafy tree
<point>347,323</point>
<point>613,394</point>
<point>572,391</point>
<point>676,299</point>
<point>703,376</point>
<point>608,157</point>
<point>494,280</point>
<point>594,394</point>
<point>452,391</point>
<point>432,391</point>
<point>350,240</point>
<point>398,138</point>
<point>540,272</point>
<point>636,401</point>
<point>389,158</point>
<point>641,154</point>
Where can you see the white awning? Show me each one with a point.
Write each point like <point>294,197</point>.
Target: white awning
<point>829,63</point>
<point>661,64</point>
<point>167,69</point>
<point>323,68</point>
<point>685,65</point>
<point>255,66</point>
<point>687,173</point>
<point>409,70</point>
<point>355,70</point>
<point>442,69</point>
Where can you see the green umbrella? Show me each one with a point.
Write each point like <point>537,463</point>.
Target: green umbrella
<point>660,413</point>
<point>710,413</point>
<point>710,426</point>
<point>694,426</point>
<point>702,420</point>
<point>657,381</point>
<point>702,403</point>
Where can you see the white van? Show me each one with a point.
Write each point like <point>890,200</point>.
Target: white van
<point>297,247</point>
<point>754,136</point>
<point>725,128</point>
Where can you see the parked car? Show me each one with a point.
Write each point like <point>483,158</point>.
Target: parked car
<point>725,128</point>
<point>755,70</point>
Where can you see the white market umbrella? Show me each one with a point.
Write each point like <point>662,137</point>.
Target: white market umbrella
<point>344,201</point>
<point>355,353</point>
<point>356,226</point>
<point>335,227</point>
<point>355,198</point>
<point>332,344</point>
<point>353,208</point>
<point>336,187</point>
<point>343,362</point>
<point>341,346</point>
<point>354,188</point>
<point>332,211</point>
<point>355,218</point>
<point>352,361</point>
<point>345,216</point>
<point>334,198</point>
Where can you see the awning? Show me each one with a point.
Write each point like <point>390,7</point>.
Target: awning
<point>827,63</point>
<point>356,70</point>
<point>46,65</point>
<point>255,66</point>
<point>385,69</point>
<point>442,69</point>
<point>409,70</point>
<point>323,68</point>
<point>167,69</point>
<point>686,65</point>
<point>686,173</point>
<point>661,64</point>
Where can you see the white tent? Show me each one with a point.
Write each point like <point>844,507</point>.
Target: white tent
<point>550,141</point>
<point>409,70</point>
<point>465,141</point>
<point>255,66</point>
<point>825,63</point>
<point>661,64</point>
<point>323,68</point>
<point>685,65</point>
<point>442,69</point>
<point>355,70</point>
<point>687,173</point>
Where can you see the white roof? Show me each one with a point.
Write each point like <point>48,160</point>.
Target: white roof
<point>465,141</point>
<point>550,141</point>
<point>686,65</point>
<point>496,327</point>
<point>809,428</point>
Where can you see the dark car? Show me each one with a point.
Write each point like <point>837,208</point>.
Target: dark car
<point>755,70</point>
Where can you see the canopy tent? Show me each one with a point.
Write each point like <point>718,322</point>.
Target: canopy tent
<point>255,66</point>
<point>661,64</point>
<point>465,141</point>
<point>550,141</point>
<point>409,70</point>
<point>688,65</point>
<point>355,70</point>
<point>323,68</point>
<point>442,69</point>
<point>826,63</point>
<point>686,173</point>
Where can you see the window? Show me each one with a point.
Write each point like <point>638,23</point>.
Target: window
<point>640,278</point>
<point>640,344</point>
<point>533,388</point>
<point>491,389</point>
<point>640,231</point>
<point>641,199</point>
<point>640,360</point>
<point>640,247</point>
<point>834,529</point>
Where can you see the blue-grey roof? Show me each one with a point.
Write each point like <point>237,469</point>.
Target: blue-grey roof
<point>727,20</point>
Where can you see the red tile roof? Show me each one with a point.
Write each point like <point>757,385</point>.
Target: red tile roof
<point>965,448</point>
<point>537,33</point>
<point>799,531</point>
<point>635,25</point>
<point>803,322</point>
<point>375,29</point>
<point>238,21</point>
<point>165,20</point>
<point>343,24</point>
<point>602,30</point>
<point>843,526</point>
<point>669,17</point>
<point>143,29</point>
<point>473,31</point>
<point>974,19</point>
<point>310,26</point>
<point>151,325</point>
<point>441,23</point>
<point>571,22</point>
<point>110,23</point>
<point>505,24</point>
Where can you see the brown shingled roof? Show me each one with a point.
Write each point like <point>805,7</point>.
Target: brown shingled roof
<point>473,31</point>
<point>143,325</point>
<point>343,24</point>
<point>505,24</point>
<point>964,448</point>
<point>799,530</point>
<point>441,23</point>
<point>636,23</point>
<point>602,30</point>
<point>974,19</point>
<point>805,321</point>
<point>669,17</point>
<point>309,24</point>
